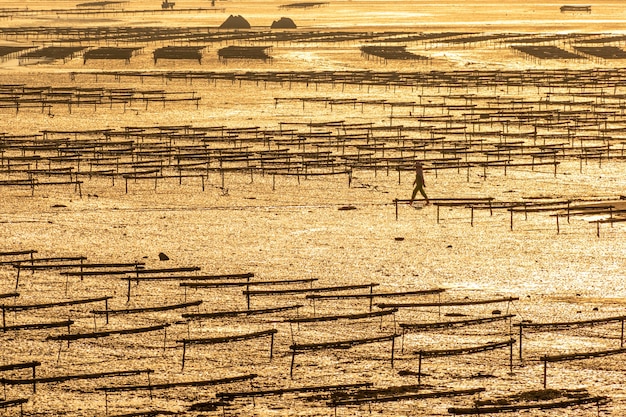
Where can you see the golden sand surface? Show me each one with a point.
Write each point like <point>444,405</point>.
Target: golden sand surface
<point>336,230</point>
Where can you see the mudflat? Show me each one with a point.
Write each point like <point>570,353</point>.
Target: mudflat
<point>227,232</point>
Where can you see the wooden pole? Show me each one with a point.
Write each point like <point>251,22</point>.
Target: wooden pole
<point>393,345</point>
<point>520,341</point>
<point>396,203</point>
<point>419,370</point>
<point>17,279</point>
<point>164,341</point>
<point>511,358</point>
<point>184,351</point>
<point>558,229</point>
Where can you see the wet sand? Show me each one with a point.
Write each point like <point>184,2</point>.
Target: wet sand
<point>289,228</point>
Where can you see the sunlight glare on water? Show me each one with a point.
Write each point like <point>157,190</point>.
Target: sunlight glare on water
<point>272,216</point>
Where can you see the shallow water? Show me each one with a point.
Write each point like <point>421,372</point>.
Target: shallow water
<point>287,227</point>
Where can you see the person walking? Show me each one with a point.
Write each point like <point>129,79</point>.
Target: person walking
<point>419,184</point>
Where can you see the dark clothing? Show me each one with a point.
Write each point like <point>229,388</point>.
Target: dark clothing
<point>419,184</point>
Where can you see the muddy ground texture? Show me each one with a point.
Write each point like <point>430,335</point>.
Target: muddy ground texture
<point>234,238</point>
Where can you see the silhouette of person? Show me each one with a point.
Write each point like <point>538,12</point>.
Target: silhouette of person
<point>419,183</point>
